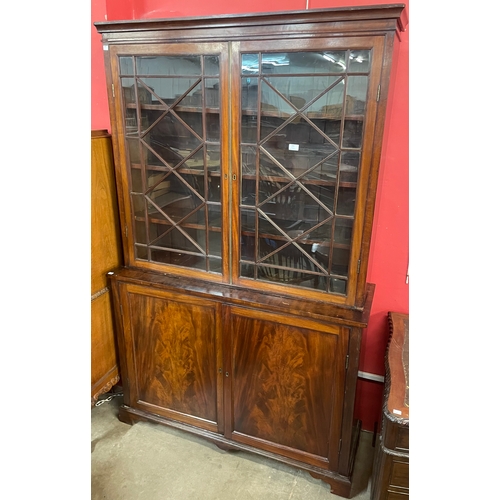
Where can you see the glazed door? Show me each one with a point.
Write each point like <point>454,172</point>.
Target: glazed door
<point>173,355</point>
<point>171,104</point>
<point>307,111</point>
<point>285,384</point>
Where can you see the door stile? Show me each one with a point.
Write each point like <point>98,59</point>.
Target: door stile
<point>235,168</point>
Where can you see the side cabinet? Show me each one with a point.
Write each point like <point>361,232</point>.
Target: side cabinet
<point>391,468</point>
<point>106,254</point>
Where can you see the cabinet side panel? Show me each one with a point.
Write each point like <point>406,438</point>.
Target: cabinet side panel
<point>104,363</point>
<point>174,355</point>
<point>105,237</point>
<point>283,384</point>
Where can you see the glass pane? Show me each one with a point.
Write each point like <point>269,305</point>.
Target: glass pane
<point>193,162</point>
<point>214,218</point>
<point>172,139</point>
<point>214,244</point>
<point>188,240</point>
<point>170,90</point>
<point>126,65</point>
<point>136,150</point>
<point>249,91</point>
<point>357,87</point>
<point>317,93</point>
<point>249,64</point>
<point>247,247</point>
<point>346,201</point>
<point>338,286</point>
<point>304,62</point>
<point>168,65</point>
<point>353,134</point>
<point>214,188</point>
<point>349,165</point>
<point>136,178</point>
<point>319,62</point>
<point>138,206</point>
<point>178,259</point>
<point>340,262</point>
<point>247,270</point>
<point>215,265</point>
<point>211,65</point>
<point>343,231</point>
<point>128,91</point>
<point>248,161</point>
<point>141,252</point>
<point>359,61</point>
<point>212,99</point>
<point>212,126</point>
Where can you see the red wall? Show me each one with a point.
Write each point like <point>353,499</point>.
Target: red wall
<point>388,263</point>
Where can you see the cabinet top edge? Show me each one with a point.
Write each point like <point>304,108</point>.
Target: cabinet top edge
<point>358,13</point>
<point>231,294</point>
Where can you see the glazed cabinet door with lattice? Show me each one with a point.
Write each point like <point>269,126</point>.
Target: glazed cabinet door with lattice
<point>172,109</point>
<point>248,163</point>
<point>305,126</point>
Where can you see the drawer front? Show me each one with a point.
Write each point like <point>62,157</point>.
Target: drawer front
<point>400,474</point>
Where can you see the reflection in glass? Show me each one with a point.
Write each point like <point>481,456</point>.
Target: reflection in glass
<point>359,61</point>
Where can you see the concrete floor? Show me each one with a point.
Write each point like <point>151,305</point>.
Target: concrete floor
<point>153,462</point>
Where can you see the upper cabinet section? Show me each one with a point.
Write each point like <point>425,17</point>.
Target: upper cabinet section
<point>247,147</point>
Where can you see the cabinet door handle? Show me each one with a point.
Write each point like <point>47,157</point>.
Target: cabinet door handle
<point>227,374</point>
<point>234,177</point>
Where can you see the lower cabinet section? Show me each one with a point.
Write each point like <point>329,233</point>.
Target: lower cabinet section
<point>245,375</point>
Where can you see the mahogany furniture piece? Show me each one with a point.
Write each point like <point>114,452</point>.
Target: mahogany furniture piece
<point>392,459</point>
<point>106,254</point>
<point>247,150</point>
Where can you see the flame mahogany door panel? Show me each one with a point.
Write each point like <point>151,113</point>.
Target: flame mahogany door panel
<point>287,385</point>
<point>172,354</point>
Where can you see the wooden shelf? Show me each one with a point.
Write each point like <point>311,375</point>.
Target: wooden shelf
<point>314,115</point>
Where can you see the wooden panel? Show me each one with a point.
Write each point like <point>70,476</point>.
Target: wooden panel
<point>285,384</point>
<point>104,368</point>
<point>105,236</point>
<point>105,255</point>
<point>175,358</point>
